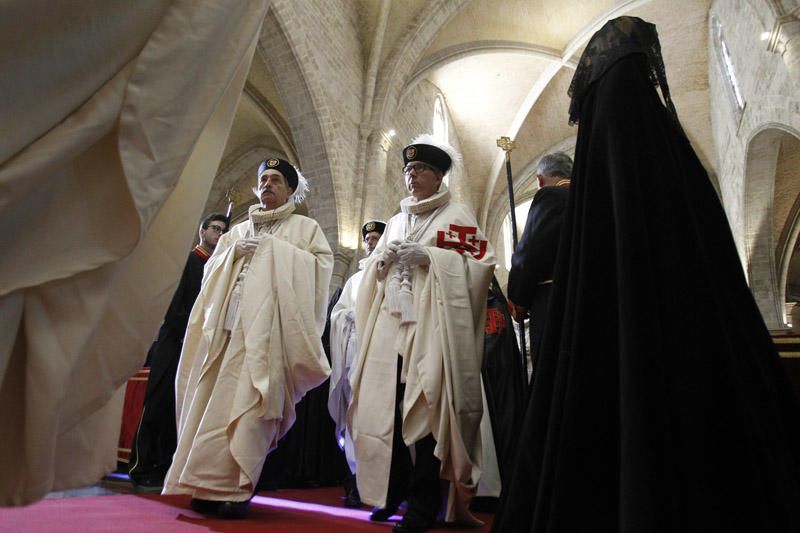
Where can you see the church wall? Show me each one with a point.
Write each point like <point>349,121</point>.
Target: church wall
<point>330,53</point>
<point>414,116</point>
<point>771,100</point>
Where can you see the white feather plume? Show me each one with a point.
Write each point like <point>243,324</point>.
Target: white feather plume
<point>299,195</point>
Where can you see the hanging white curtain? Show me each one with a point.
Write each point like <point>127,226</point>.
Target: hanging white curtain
<point>113,119</point>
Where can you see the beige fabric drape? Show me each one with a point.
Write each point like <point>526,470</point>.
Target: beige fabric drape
<point>114,118</point>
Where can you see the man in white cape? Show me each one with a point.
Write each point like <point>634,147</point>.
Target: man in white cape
<point>252,347</point>
<point>420,322</point>
<point>343,355</point>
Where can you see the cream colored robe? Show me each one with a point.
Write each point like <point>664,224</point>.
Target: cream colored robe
<point>441,352</point>
<point>114,119</point>
<point>343,346</point>
<point>235,394</point>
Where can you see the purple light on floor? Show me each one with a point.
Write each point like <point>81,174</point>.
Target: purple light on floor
<point>116,475</point>
<point>316,508</point>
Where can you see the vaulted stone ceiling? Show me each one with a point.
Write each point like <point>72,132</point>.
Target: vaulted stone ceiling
<point>502,66</point>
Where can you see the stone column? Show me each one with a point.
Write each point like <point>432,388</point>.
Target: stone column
<point>341,267</point>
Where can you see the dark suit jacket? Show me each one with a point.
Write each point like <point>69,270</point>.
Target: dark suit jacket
<point>535,255</point>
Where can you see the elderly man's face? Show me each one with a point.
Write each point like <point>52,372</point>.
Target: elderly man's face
<point>422,179</point>
<point>273,189</point>
<point>371,241</point>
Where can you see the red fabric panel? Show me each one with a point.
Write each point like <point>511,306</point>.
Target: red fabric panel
<point>132,412</point>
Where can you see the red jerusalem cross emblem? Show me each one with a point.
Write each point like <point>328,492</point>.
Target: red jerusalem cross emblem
<point>462,239</point>
<point>495,321</point>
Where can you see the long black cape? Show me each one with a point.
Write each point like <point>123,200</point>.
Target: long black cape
<point>659,402</point>
<point>505,378</point>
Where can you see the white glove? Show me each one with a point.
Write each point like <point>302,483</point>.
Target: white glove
<point>244,247</point>
<point>390,254</point>
<point>413,253</point>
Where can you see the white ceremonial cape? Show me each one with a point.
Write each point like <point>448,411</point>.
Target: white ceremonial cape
<point>343,344</point>
<point>114,120</point>
<point>235,394</point>
<point>442,353</point>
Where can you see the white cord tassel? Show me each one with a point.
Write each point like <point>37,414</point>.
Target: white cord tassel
<point>233,307</point>
<point>406,299</point>
<point>392,292</point>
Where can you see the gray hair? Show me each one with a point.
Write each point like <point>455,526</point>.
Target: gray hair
<point>555,165</point>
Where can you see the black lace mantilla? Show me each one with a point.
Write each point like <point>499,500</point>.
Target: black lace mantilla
<point>616,39</point>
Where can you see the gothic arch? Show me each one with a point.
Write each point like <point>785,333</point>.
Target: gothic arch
<point>766,263</point>
<point>787,179</point>
<point>403,58</point>
<point>275,48</point>
<point>472,48</point>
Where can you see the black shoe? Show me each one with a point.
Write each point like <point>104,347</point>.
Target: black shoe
<point>233,510</point>
<point>352,499</point>
<point>204,506</point>
<point>148,484</point>
<point>382,514</point>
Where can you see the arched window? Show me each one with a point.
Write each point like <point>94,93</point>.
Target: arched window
<point>726,66</point>
<point>440,125</point>
<point>521,213</point>
<point>439,119</point>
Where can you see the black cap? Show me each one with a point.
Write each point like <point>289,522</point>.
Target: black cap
<point>427,153</point>
<point>372,225</point>
<point>282,166</point>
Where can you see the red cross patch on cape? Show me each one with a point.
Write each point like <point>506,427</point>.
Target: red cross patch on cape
<point>495,321</point>
<point>462,239</point>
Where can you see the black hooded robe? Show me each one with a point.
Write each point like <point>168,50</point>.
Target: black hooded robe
<point>659,403</point>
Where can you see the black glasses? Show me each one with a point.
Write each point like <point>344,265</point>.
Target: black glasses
<point>416,168</point>
<point>218,229</point>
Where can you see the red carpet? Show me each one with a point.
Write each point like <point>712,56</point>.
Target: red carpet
<point>300,511</point>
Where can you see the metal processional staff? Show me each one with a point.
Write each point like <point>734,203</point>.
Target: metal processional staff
<point>506,144</point>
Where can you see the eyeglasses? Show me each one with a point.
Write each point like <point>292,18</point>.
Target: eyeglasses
<point>218,229</point>
<point>416,168</point>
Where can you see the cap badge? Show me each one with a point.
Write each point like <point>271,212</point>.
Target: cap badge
<point>411,152</point>
<point>370,226</point>
<point>272,163</point>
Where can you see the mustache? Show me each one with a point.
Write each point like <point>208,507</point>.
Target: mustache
<point>257,190</point>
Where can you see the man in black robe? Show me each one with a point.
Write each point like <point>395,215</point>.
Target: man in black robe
<point>659,403</point>
<point>505,381</point>
<point>155,439</point>
<point>531,275</point>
